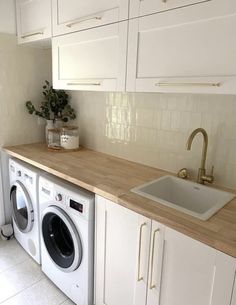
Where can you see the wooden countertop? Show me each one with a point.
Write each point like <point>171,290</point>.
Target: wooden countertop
<point>113,178</point>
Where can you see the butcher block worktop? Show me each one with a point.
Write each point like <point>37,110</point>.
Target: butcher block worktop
<point>113,178</point>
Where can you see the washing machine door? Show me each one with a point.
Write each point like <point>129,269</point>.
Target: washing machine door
<point>61,239</point>
<point>23,213</point>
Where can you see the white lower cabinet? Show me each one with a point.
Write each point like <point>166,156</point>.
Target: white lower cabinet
<point>93,59</point>
<point>185,271</point>
<point>142,262</point>
<point>233,300</point>
<point>122,253</point>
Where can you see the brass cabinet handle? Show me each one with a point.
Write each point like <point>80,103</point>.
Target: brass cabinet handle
<point>105,257</point>
<point>69,25</point>
<point>32,34</point>
<point>188,84</point>
<point>152,259</point>
<point>140,278</point>
<point>83,84</point>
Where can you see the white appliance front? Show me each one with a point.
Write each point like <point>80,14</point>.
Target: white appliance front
<point>67,225</point>
<point>24,200</point>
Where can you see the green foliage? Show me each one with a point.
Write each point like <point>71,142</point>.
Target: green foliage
<point>54,106</point>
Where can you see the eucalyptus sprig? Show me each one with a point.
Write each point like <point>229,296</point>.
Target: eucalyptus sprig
<point>54,106</point>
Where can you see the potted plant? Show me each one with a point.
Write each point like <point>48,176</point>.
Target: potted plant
<point>54,108</point>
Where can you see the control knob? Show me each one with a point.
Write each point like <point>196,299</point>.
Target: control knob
<point>18,173</point>
<point>58,197</point>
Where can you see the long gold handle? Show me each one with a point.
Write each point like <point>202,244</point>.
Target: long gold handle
<point>140,278</point>
<point>105,257</point>
<point>188,84</point>
<point>69,25</point>
<point>32,34</point>
<point>84,84</point>
<point>152,259</point>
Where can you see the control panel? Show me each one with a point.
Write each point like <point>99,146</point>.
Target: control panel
<point>73,200</point>
<point>76,206</point>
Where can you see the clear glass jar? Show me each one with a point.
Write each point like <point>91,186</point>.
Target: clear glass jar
<point>69,137</point>
<point>53,138</point>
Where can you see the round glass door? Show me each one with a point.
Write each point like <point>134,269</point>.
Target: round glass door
<point>61,239</point>
<point>23,213</point>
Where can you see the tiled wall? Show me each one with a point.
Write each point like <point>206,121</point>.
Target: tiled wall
<point>153,129</point>
<point>22,74</point>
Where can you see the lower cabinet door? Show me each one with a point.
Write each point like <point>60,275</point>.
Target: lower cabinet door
<point>191,272</point>
<point>93,59</point>
<point>121,255</point>
<point>233,299</point>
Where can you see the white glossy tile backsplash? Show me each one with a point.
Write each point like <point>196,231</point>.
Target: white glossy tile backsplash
<point>22,74</point>
<point>153,129</point>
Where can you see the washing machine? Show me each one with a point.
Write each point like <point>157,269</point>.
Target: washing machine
<point>25,210</point>
<point>67,237</point>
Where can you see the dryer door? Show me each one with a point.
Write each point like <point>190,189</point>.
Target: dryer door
<point>23,213</point>
<point>61,239</point>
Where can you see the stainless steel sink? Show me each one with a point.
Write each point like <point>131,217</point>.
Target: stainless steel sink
<point>189,197</point>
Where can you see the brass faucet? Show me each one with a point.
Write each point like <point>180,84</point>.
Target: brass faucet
<point>202,176</point>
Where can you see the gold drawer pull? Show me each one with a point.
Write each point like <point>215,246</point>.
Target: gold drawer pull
<point>140,278</point>
<point>83,84</point>
<point>32,34</point>
<point>188,84</point>
<point>152,259</point>
<point>69,25</point>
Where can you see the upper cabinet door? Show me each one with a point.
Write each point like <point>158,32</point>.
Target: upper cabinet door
<point>191,272</point>
<point>93,59</point>
<point>33,20</point>
<point>192,49</point>
<point>146,7</point>
<point>75,15</point>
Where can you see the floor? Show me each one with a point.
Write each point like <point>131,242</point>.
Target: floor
<point>22,281</point>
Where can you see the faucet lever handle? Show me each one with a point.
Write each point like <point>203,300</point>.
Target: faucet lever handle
<point>212,170</point>
<point>209,178</point>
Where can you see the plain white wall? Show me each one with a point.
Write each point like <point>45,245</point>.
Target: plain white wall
<point>7,17</point>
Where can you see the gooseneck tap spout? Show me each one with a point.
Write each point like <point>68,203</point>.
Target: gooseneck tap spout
<point>205,144</point>
<point>202,177</point>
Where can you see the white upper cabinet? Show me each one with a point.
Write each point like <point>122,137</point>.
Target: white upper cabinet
<point>184,271</point>
<point>190,49</point>
<point>93,59</point>
<point>33,20</point>
<point>75,15</point>
<point>146,7</point>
